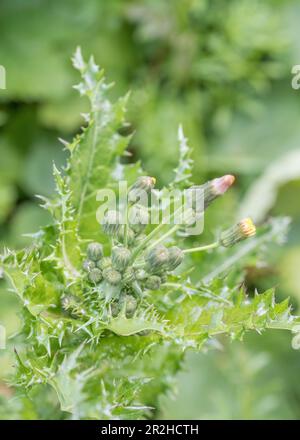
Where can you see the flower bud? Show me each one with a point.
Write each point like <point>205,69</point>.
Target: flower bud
<point>131,305</point>
<point>95,275</point>
<point>140,238</point>
<point>138,218</point>
<point>244,229</point>
<point>189,216</point>
<point>104,263</point>
<point>111,222</point>
<point>153,282</point>
<point>175,257</point>
<point>144,184</point>
<point>205,194</point>
<point>128,275</point>
<point>88,265</point>
<point>141,275</point>
<point>95,251</point>
<point>120,257</point>
<point>130,236</point>
<point>112,276</point>
<point>115,309</point>
<point>157,258</point>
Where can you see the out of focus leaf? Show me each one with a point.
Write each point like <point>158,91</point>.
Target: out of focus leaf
<point>7,200</point>
<point>37,176</point>
<point>28,219</point>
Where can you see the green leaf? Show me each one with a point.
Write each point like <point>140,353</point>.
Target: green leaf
<point>95,151</point>
<point>183,171</point>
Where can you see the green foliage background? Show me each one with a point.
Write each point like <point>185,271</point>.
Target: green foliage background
<point>222,69</point>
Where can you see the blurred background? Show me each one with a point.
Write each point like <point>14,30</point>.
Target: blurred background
<point>221,68</point>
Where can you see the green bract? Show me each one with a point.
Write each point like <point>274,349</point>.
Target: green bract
<point>157,259</point>
<point>95,275</point>
<point>120,257</point>
<point>175,257</point>
<point>153,282</point>
<point>95,251</point>
<point>106,340</point>
<point>112,276</point>
<point>88,265</point>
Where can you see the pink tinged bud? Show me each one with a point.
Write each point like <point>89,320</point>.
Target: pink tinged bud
<point>205,194</point>
<point>222,184</point>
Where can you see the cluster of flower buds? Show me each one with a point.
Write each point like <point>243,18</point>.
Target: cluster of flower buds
<point>111,270</point>
<point>138,262</point>
<point>115,270</point>
<point>90,265</point>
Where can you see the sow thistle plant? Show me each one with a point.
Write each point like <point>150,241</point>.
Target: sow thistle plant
<point>109,310</point>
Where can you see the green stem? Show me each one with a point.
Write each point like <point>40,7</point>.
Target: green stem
<point>144,243</point>
<point>139,265</point>
<point>153,233</point>
<point>126,232</point>
<point>202,248</point>
<point>166,235</point>
<point>178,286</point>
<point>126,224</point>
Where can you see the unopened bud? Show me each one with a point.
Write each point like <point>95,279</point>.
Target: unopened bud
<point>205,194</point>
<point>138,218</point>
<point>128,275</point>
<point>88,265</point>
<point>189,217</point>
<point>95,275</point>
<point>141,188</point>
<point>130,236</point>
<point>145,183</point>
<point>242,230</point>
<point>175,257</point>
<point>111,222</point>
<point>112,276</point>
<point>115,309</point>
<point>104,263</point>
<point>120,257</point>
<point>131,305</point>
<point>95,251</point>
<point>157,258</point>
<point>141,275</point>
<point>153,282</point>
